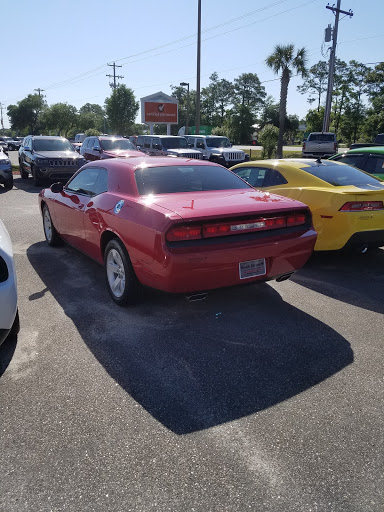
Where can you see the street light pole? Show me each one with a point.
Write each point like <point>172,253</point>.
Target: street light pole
<point>186,84</point>
<point>198,68</point>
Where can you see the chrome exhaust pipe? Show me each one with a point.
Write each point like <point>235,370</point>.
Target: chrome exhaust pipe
<point>284,277</point>
<point>363,249</point>
<point>196,297</point>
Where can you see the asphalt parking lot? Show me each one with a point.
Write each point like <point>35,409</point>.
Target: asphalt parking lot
<point>267,398</point>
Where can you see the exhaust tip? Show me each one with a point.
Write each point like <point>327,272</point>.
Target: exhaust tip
<point>284,277</point>
<point>363,249</point>
<point>195,297</point>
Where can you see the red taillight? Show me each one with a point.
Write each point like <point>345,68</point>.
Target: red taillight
<point>335,147</point>
<point>296,219</point>
<point>303,145</point>
<point>358,206</point>
<point>178,233</point>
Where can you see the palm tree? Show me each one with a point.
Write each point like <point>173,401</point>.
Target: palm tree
<point>284,60</point>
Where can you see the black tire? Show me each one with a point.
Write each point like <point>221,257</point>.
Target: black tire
<point>24,174</point>
<point>9,183</point>
<point>51,235</point>
<point>127,286</point>
<point>15,327</point>
<point>36,179</point>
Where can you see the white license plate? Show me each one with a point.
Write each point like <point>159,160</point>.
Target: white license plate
<point>252,268</point>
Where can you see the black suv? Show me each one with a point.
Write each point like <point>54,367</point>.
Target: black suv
<point>48,157</point>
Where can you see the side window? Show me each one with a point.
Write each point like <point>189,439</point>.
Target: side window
<point>273,178</point>
<point>375,164</point>
<point>101,184</point>
<point>147,142</point>
<point>253,175</point>
<point>84,183</point>
<point>139,141</point>
<point>355,160</point>
<point>96,143</point>
<point>200,144</point>
<point>155,143</point>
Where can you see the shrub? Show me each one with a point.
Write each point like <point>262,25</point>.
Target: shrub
<point>268,139</point>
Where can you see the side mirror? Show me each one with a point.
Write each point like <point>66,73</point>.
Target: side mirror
<point>26,148</point>
<point>57,187</point>
<point>157,146</point>
<point>95,148</point>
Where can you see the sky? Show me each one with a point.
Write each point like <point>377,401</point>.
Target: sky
<point>64,47</point>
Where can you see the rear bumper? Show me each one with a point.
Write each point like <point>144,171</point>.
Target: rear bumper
<point>218,267</point>
<point>368,238</point>
<point>315,154</point>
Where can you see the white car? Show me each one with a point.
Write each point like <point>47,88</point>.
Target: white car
<point>9,317</point>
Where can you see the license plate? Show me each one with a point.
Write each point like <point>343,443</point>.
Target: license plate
<point>252,268</point>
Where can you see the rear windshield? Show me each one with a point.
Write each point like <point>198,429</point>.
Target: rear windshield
<point>327,137</point>
<point>186,178</point>
<point>342,175</point>
<point>113,144</point>
<point>379,138</point>
<point>52,145</point>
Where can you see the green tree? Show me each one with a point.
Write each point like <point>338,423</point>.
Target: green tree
<point>121,109</point>
<point>60,118</point>
<point>374,122</point>
<point>180,93</point>
<point>91,117</point>
<point>25,116</point>
<point>268,137</point>
<point>315,83</point>
<point>286,60</point>
<point>215,99</point>
<point>314,119</point>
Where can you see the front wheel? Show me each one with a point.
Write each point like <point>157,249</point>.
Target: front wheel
<point>51,235</point>
<point>122,282</point>
<point>9,183</point>
<point>36,179</point>
<point>24,174</point>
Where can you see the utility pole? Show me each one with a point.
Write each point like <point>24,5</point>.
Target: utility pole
<point>114,76</point>
<point>332,60</point>
<point>39,91</point>
<point>1,115</point>
<point>197,132</point>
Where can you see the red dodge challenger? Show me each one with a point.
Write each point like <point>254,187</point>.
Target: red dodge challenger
<point>175,224</point>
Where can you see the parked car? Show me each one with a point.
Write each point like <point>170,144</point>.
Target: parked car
<point>368,159</point>
<point>80,137</point>
<point>379,141</point>
<point>6,177</point>
<point>217,149</point>
<point>9,317</point>
<point>12,144</point>
<point>346,203</point>
<point>323,144</point>
<point>166,145</point>
<point>48,158</point>
<point>107,146</point>
<point>176,225</point>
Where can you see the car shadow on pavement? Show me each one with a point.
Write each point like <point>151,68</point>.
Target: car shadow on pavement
<point>7,349</point>
<point>194,365</point>
<point>356,279</point>
<point>27,185</point>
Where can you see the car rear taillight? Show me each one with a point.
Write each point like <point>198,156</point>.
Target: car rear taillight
<point>296,219</point>
<point>303,146</point>
<point>335,147</point>
<point>178,233</point>
<point>358,206</point>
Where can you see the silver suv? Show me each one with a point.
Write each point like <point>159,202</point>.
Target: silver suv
<point>217,149</point>
<point>166,145</point>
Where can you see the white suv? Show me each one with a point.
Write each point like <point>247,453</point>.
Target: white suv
<point>9,318</point>
<point>217,149</point>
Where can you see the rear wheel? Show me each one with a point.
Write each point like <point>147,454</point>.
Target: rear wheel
<point>51,235</point>
<point>24,174</point>
<point>122,282</point>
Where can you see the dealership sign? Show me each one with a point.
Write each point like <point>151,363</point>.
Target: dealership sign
<point>160,112</point>
<point>159,108</point>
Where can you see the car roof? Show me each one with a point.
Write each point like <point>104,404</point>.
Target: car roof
<point>135,162</point>
<point>47,137</point>
<point>368,149</point>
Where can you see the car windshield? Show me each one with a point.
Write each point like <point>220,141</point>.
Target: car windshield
<point>342,175</point>
<point>328,137</point>
<point>219,142</point>
<point>52,145</point>
<point>114,144</point>
<point>186,178</point>
<point>174,143</point>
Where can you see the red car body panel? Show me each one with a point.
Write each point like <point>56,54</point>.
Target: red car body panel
<point>143,221</point>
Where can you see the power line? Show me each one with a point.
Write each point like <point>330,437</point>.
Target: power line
<point>114,76</point>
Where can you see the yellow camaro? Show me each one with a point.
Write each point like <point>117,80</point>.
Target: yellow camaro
<point>346,203</point>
